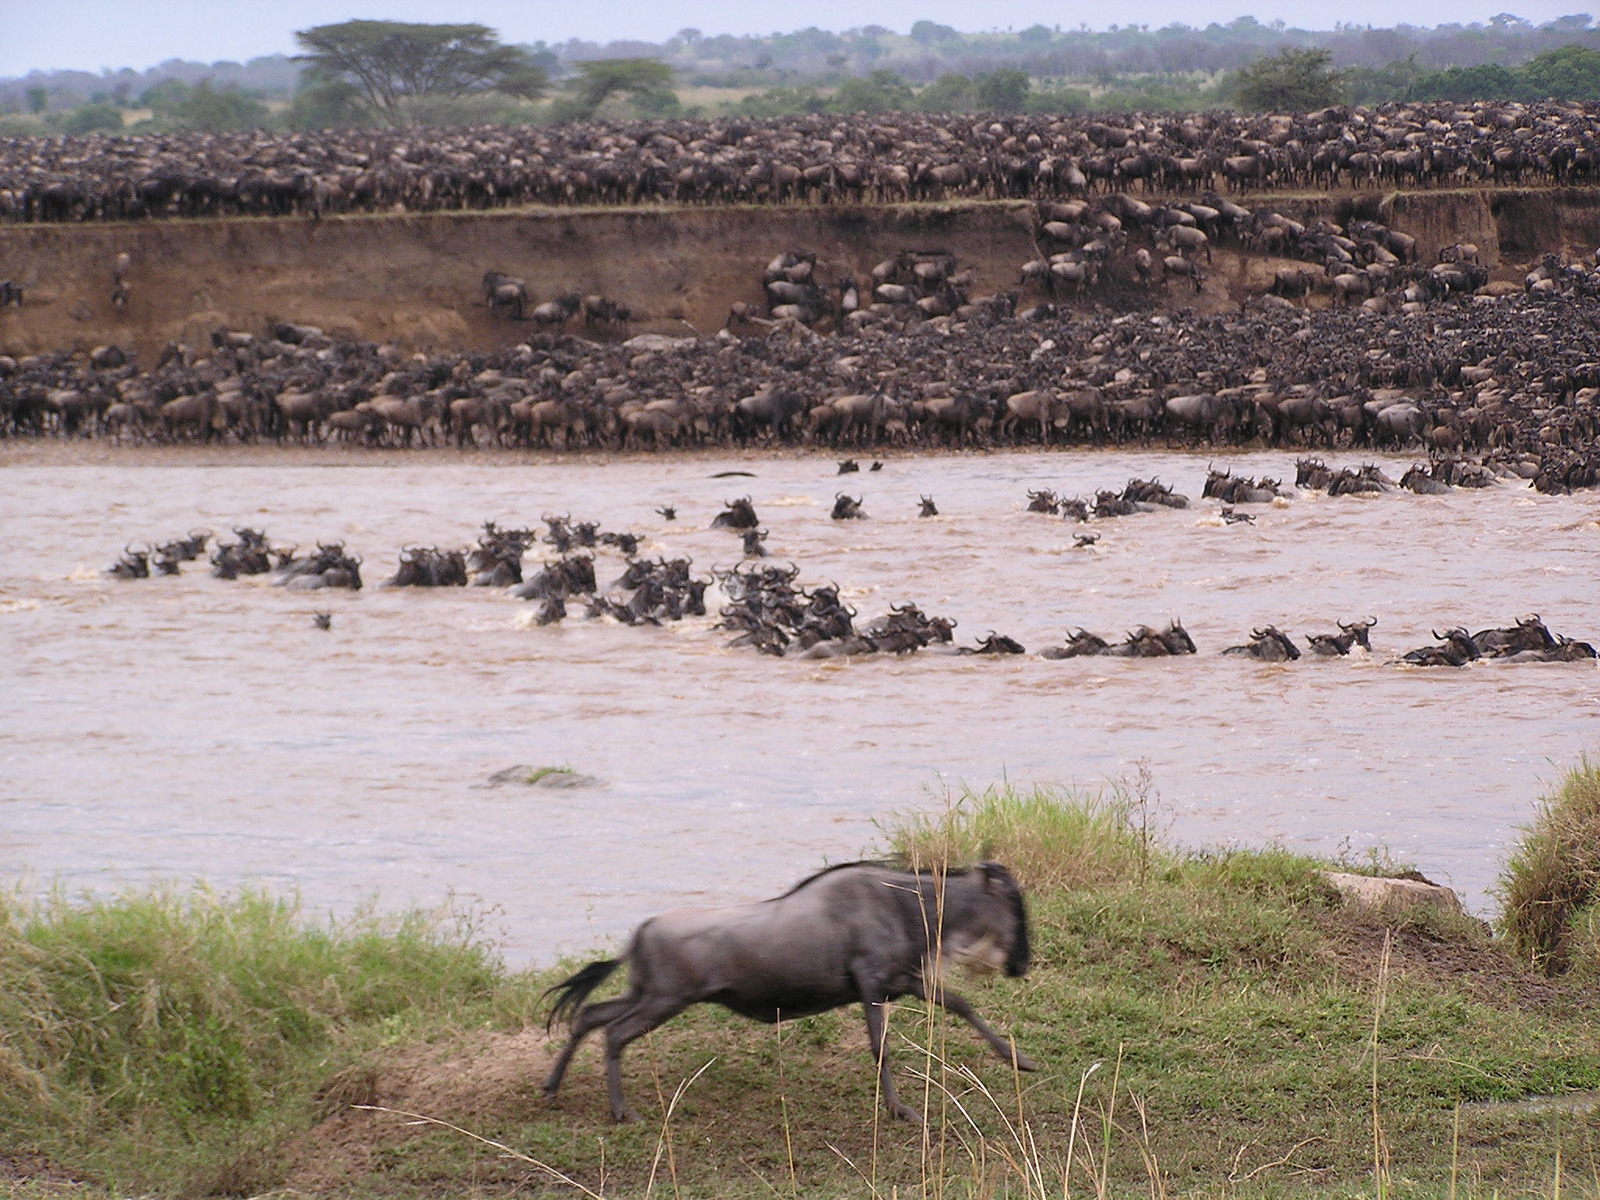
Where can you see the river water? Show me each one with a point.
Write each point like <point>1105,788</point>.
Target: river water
<point>190,728</point>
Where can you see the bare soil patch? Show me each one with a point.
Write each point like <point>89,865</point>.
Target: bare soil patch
<point>480,1075</point>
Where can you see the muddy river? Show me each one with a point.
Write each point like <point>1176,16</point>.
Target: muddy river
<point>190,728</point>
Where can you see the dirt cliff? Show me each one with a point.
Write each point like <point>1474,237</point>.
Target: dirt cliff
<point>415,279</point>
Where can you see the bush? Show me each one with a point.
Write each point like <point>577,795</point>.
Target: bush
<point>1002,91</point>
<point>881,91</point>
<point>1553,876</point>
<point>100,116</point>
<point>782,102</point>
<point>947,94</point>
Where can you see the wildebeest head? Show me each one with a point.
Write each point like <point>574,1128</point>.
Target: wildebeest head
<point>1361,631</point>
<point>1003,941</point>
<point>1176,638</point>
<point>1458,642</point>
<point>985,923</point>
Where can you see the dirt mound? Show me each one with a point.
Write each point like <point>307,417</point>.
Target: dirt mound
<point>460,1082</point>
<point>1477,963</point>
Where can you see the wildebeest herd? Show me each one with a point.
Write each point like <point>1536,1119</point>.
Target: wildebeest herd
<point>1513,378</point>
<point>814,158</point>
<point>768,609</point>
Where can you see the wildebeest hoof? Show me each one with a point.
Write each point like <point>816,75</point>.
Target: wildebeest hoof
<point>1023,1062</point>
<point>906,1113</point>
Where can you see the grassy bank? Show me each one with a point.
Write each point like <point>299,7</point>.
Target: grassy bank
<point>1210,1024</point>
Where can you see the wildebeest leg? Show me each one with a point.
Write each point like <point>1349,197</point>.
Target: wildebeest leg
<point>880,1051</point>
<point>642,1016</point>
<point>951,1002</point>
<point>591,1018</point>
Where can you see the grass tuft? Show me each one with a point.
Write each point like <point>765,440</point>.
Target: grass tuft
<point>1049,837</point>
<point>1552,879</point>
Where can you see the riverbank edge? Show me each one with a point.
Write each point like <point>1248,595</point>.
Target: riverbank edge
<point>1206,1021</point>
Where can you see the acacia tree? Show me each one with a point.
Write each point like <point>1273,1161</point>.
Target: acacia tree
<point>1289,81</point>
<point>644,79</point>
<point>393,61</point>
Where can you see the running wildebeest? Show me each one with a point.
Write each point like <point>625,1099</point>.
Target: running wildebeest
<point>858,932</point>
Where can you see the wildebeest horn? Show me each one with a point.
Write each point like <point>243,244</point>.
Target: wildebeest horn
<point>1343,626</point>
<point>1440,636</point>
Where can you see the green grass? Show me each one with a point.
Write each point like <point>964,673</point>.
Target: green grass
<point>538,773</point>
<point>1206,1024</point>
<point>169,1039</point>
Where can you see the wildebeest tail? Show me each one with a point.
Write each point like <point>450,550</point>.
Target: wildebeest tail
<point>571,992</point>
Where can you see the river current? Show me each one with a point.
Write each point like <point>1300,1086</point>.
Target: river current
<point>194,729</point>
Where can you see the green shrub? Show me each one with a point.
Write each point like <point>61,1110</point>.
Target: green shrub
<point>100,116</point>
<point>1554,872</point>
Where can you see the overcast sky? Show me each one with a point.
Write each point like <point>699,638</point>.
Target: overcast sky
<point>94,34</point>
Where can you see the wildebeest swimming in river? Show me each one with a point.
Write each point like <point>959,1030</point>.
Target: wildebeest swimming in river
<point>1268,645</point>
<point>1329,645</point>
<point>859,932</point>
<point>1142,642</point>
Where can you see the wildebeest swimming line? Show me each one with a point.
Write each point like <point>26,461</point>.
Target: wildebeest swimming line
<point>860,931</point>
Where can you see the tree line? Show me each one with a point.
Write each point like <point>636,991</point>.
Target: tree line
<point>365,72</point>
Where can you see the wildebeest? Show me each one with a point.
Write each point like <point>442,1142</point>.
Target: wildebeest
<point>858,932</point>
<point>1269,645</point>
<point>1457,650</point>
<point>505,293</point>
<point>1142,642</point>
<point>134,564</point>
<point>846,508</point>
<point>739,514</point>
<point>995,643</point>
<point>1332,645</point>
<point>1529,633</point>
